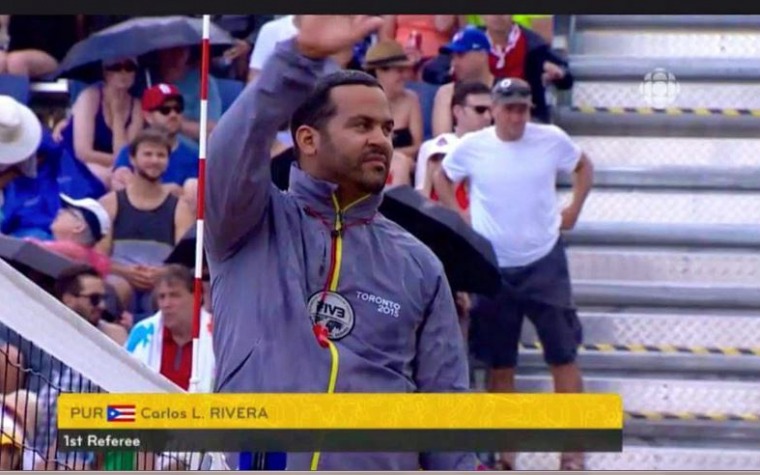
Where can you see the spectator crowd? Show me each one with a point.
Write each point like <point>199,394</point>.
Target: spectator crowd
<point>113,184</point>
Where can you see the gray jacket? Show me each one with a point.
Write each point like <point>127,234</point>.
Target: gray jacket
<point>392,316</point>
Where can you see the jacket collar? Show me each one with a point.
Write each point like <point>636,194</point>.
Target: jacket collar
<point>318,196</point>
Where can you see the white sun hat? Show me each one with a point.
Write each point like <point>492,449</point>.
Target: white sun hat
<point>20,131</point>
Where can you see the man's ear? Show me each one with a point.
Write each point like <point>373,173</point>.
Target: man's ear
<point>307,139</point>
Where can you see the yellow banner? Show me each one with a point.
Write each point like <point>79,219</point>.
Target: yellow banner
<point>340,411</point>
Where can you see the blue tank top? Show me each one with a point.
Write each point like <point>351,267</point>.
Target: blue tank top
<point>103,136</point>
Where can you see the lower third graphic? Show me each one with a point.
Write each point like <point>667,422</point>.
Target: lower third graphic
<point>121,413</point>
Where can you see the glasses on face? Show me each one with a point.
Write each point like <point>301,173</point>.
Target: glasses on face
<point>95,299</point>
<point>126,66</point>
<point>480,110</point>
<point>166,110</point>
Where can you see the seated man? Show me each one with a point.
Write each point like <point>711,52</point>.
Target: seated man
<point>148,221</point>
<point>83,291</point>
<point>162,107</point>
<point>164,341</point>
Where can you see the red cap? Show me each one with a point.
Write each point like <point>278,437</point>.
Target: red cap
<point>154,97</point>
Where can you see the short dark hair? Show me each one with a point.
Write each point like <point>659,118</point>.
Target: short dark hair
<point>318,108</point>
<point>70,281</point>
<point>464,89</point>
<point>176,273</point>
<point>151,135</point>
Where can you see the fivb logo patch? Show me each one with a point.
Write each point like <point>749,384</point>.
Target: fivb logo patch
<point>332,311</point>
<point>384,306</point>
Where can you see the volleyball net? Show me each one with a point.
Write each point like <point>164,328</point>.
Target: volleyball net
<point>47,350</point>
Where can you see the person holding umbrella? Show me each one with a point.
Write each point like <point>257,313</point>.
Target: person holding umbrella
<point>105,118</point>
<point>313,290</point>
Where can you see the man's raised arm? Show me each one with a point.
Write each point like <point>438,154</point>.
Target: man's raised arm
<point>238,183</point>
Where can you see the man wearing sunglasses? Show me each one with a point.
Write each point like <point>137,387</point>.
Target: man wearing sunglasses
<point>84,291</point>
<point>162,107</point>
<point>512,169</point>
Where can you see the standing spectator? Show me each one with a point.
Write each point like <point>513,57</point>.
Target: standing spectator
<point>105,117</point>
<point>471,111</point>
<point>469,61</point>
<point>541,24</point>
<point>271,33</point>
<point>180,66</point>
<point>269,252</point>
<point>387,61</point>
<point>516,162</point>
<point>147,220</point>
<point>162,106</point>
<point>517,51</point>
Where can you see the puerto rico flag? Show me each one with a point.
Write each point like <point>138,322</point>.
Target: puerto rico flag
<point>121,413</point>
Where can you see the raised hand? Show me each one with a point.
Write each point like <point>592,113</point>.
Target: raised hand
<point>320,36</point>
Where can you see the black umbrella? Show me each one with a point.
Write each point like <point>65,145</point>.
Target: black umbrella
<point>468,257</point>
<point>136,37</point>
<point>184,252</point>
<point>40,265</point>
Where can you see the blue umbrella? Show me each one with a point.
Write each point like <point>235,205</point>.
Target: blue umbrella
<point>136,37</point>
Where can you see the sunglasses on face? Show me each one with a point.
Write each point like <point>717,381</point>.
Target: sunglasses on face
<point>166,110</point>
<point>95,299</point>
<point>480,110</point>
<point>126,66</point>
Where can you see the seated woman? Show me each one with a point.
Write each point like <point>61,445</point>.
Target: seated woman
<point>389,63</point>
<point>105,117</point>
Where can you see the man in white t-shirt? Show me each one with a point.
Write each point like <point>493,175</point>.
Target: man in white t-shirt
<point>512,169</point>
<point>270,34</point>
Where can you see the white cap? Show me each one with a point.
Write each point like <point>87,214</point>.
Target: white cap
<point>20,131</point>
<point>440,145</point>
<point>94,214</point>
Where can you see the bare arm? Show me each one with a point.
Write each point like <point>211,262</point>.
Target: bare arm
<point>135,126</point>
<point>445,189</point>
<point>84,111</point>
<point>238,184</point>
<point>192,128</point>
<point>442,121</point>
<point>583,180</point>
<point>113,331</point>
<point>388,30</point>
<point>111,206</point>
<point>183,220</point>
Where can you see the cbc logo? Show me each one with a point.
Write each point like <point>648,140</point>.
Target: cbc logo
<point>659,88</point>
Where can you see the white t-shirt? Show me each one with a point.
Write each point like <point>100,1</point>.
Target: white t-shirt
<point>271,33</point>
<point>513,198</point>
<point>441,144</point>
